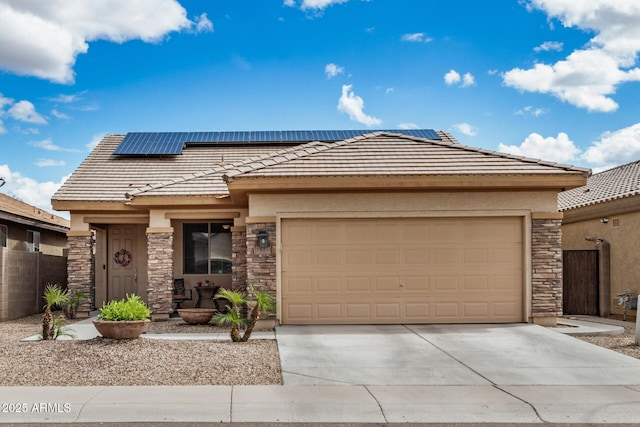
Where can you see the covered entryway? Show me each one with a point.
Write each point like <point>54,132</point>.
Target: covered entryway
<point>402,270</point>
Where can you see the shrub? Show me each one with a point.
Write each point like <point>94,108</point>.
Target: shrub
<point>235,314</point>
<point>130,308</point>
<point>53,327</point>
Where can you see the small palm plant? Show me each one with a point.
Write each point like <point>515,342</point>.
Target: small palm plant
<point>241,325</point>
<point>52,328</point>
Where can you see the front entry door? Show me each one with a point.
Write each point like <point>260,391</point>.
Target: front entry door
<point>123,261</point>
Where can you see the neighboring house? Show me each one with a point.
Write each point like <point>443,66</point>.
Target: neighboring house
<point>32,246</point>
<point>340,226</point>
<point>604,216</point>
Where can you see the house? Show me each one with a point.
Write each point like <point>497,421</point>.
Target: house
<point>403,226</point>
<point>601,223</point>
<point>32,246</point>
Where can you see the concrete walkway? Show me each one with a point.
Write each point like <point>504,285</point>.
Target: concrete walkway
<point>427,374</point>
<point>323,404</point>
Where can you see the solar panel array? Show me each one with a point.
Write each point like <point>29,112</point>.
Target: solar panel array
<point>172,143</point>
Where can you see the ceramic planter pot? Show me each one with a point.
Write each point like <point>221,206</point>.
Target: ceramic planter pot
<point>120,330</point>
<point>196,316</point>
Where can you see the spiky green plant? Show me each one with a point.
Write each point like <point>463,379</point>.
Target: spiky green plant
<point>129,308</point>
<point>53,296</point>
<point>241,325</point>
<point>71,307</point>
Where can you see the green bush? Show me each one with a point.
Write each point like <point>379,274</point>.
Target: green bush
<point>130,308</point>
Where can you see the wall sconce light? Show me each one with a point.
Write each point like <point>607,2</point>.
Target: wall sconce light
<point>604,220</point>
<point>263,239</point>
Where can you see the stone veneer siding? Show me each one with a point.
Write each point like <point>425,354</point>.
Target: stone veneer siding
<point>261,262</point>
<point>239,258</point>
<point>160,274</point>
<point>546,268</point>
<point>80,271</point>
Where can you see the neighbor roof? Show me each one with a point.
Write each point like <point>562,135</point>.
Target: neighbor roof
<point>617,183</point>
<point>14,210</point>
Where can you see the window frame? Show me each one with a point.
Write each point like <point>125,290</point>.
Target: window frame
<point>4,236</point>
<point>191,248</point>
<point>33,241</point>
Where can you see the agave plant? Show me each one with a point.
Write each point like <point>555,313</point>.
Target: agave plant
<point>52,328</point>
<point>241,325</point>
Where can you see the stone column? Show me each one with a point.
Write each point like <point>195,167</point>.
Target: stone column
<point>80,269</point>
<point>160,272</point>
<point>239,258</point>
<point>261,262</point>
<point>546,269</point>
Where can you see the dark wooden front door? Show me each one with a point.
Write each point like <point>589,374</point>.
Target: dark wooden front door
<point>580,287</point>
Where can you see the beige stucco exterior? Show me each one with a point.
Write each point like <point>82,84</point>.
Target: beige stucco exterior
<point>614,223</point>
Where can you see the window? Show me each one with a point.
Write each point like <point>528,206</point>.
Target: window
<point>207,248</point>
<point>4,233</point>
<point>33,241</point>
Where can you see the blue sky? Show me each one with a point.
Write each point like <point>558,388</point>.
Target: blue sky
<point>551,79</point>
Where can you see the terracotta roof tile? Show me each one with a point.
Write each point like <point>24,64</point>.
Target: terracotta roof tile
<point>617,183</point>
<point>14,207</point>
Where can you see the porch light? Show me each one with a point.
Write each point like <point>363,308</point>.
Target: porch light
<point>263,239</point>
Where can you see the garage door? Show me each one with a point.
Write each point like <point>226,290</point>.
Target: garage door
<point>417,270</point>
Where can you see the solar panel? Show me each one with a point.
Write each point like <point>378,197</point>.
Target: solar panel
<point>172,143</point>
<point>151,143</point>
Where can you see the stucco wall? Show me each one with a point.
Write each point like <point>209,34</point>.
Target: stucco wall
<point>623,240</point>
<point>437,203</point>
<point>51,242</point>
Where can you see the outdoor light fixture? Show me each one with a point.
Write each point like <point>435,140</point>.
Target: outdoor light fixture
<point>263,239</point>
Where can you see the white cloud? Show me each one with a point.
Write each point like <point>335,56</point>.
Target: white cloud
<point>615,148</point>
<point>547,46</point>
<point>389,90</point>
<point>203,24</point>
<point>468,80</point>
<point>316,5</point>
<point>353,105</point>
<point>29,190</point>
<point>531,111</point>
<point>416,38</point>
<point>408,126</point>
<point>48,145</point>
<point>466,129</point>
<point>49,162</point>
<point>332,70</point>
<point>2,128</point>
<point>452,77</point>
<point>560,149</point>
<point>58,115</point>
<point>25,111</point>
<point>43,38</point>
<point>588,77</point>
<point>68,99</point>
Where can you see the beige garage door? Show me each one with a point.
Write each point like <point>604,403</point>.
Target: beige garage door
<point>417,270</point>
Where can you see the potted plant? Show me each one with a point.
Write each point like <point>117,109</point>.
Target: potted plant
<point>123,319</point>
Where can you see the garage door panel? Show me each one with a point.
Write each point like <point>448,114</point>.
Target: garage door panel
<point>418,270</point>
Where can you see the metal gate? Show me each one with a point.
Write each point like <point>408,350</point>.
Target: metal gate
<point>580,282</point>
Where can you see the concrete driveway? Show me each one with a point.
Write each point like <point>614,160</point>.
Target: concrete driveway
<point>514,354</point>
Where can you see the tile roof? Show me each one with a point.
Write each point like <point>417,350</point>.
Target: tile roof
<point>103,176</point>
<point>202,171</point>
<point>617,183</point>
<point>382,153</point>
<point>14,209</point>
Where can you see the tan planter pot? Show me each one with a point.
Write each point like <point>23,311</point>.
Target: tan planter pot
<point>196,316</point>
<point>120,330</point>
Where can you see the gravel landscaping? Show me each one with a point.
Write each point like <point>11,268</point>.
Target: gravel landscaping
<point>105,362</point>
